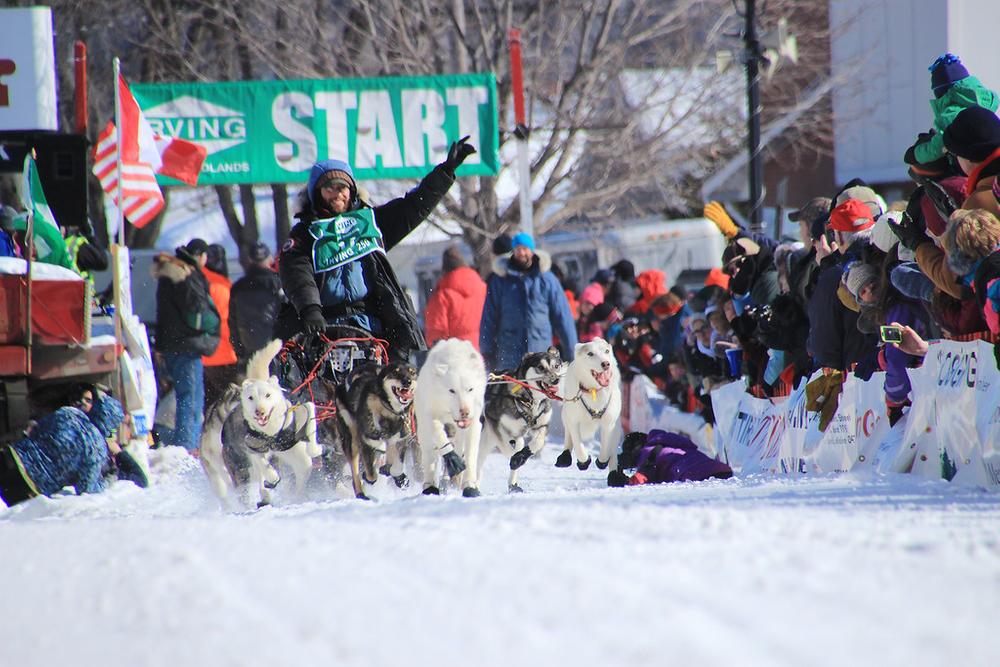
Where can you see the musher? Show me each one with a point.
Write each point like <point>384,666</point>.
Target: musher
<point>333,267</point>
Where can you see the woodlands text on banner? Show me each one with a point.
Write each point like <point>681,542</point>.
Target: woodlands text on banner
<point>273,131</point>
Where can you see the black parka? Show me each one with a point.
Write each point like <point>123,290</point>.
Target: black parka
<point>254,303</point>
<point>386,300</point>
<point>187,321</point>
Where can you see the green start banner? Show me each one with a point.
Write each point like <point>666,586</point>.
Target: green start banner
<point>273,131</point>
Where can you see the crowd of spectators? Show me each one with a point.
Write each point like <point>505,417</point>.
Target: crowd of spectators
<point>927,266</point>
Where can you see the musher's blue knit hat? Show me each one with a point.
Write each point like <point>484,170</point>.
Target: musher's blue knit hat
<point>330,170</point>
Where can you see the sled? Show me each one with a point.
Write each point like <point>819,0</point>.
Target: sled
<point>314,367</point>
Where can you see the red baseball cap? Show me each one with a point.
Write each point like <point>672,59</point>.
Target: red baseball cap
<point>851,216</point>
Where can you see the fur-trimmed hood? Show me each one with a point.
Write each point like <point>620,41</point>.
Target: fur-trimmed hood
<point>169,266</point>
<point>541,263</point>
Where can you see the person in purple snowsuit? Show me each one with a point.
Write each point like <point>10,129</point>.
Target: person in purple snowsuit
<point>660,457</point>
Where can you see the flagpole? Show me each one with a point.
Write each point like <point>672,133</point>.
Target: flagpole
<point>118,151</point>
<point>115,250</point>
<point>29,249</point>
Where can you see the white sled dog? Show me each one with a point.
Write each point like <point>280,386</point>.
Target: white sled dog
<point>264,427</point>
<point>592,401</point>
<point>448,403</point>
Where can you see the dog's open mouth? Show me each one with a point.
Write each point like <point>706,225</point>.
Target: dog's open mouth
<point>405,395</point>
<point>263,419</point>
<point>465,422</point>
<point>603,378</point>
<point>549,387</point>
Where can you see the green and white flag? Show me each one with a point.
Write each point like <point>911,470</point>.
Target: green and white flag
<point>50,247</point>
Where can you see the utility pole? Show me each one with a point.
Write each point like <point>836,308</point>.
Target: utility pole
<point>771,49</point>
<point>521,132</point>
<point>752,56</point>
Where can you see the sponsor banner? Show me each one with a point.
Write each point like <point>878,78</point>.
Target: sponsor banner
<point>837,447</point>
<point>872,420</point>
<point>857,429</point>
<point>894,453</point>
<point>757,436</point>
<point>726,404</point>
<point>951,430</point>
<point>273,131</point>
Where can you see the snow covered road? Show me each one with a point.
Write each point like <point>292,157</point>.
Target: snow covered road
<point>763,571</point>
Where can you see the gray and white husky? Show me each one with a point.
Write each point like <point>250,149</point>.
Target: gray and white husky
<point>263,426</point>
<point>517,416</point>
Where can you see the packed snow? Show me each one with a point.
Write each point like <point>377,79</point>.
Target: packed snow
<point>832,570</point>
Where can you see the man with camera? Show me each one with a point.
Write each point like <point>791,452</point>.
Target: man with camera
<point>834,339</point>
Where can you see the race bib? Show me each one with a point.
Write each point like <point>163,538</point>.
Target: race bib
<point>344,239</point>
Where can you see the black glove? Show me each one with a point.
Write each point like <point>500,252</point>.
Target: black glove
<point>943,202</point>
<point>911,230</point>
<point>457,153</point>
<point>910,156</point>
<point>312,320</point>
<point>453,463</point>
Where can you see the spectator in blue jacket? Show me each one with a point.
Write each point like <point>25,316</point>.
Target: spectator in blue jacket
<point>68,448</point>
<point>525,307</point>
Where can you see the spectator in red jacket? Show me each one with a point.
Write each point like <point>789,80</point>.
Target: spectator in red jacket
<point>456,304</point>
<point>651,284</point>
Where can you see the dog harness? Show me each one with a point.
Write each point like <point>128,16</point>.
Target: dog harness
<point>281,441</point>
<point>524,409</point>
<point>594,414</point>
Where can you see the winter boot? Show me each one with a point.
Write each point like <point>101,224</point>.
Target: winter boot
<point>604,465</point>
<point>514,488</point>
<point>470,492</point>
<point>583,465</point>
<point>432,491</point>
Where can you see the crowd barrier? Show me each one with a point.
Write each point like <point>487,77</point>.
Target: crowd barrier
<point>951,431</point>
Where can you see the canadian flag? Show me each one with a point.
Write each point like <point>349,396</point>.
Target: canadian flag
<point>144,154</point>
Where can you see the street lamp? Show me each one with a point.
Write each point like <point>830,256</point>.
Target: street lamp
<point>767,50</point>
<point>753,55</point>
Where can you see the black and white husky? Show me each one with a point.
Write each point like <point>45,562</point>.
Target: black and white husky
<point>375,421</point>
<point>517,416</point>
